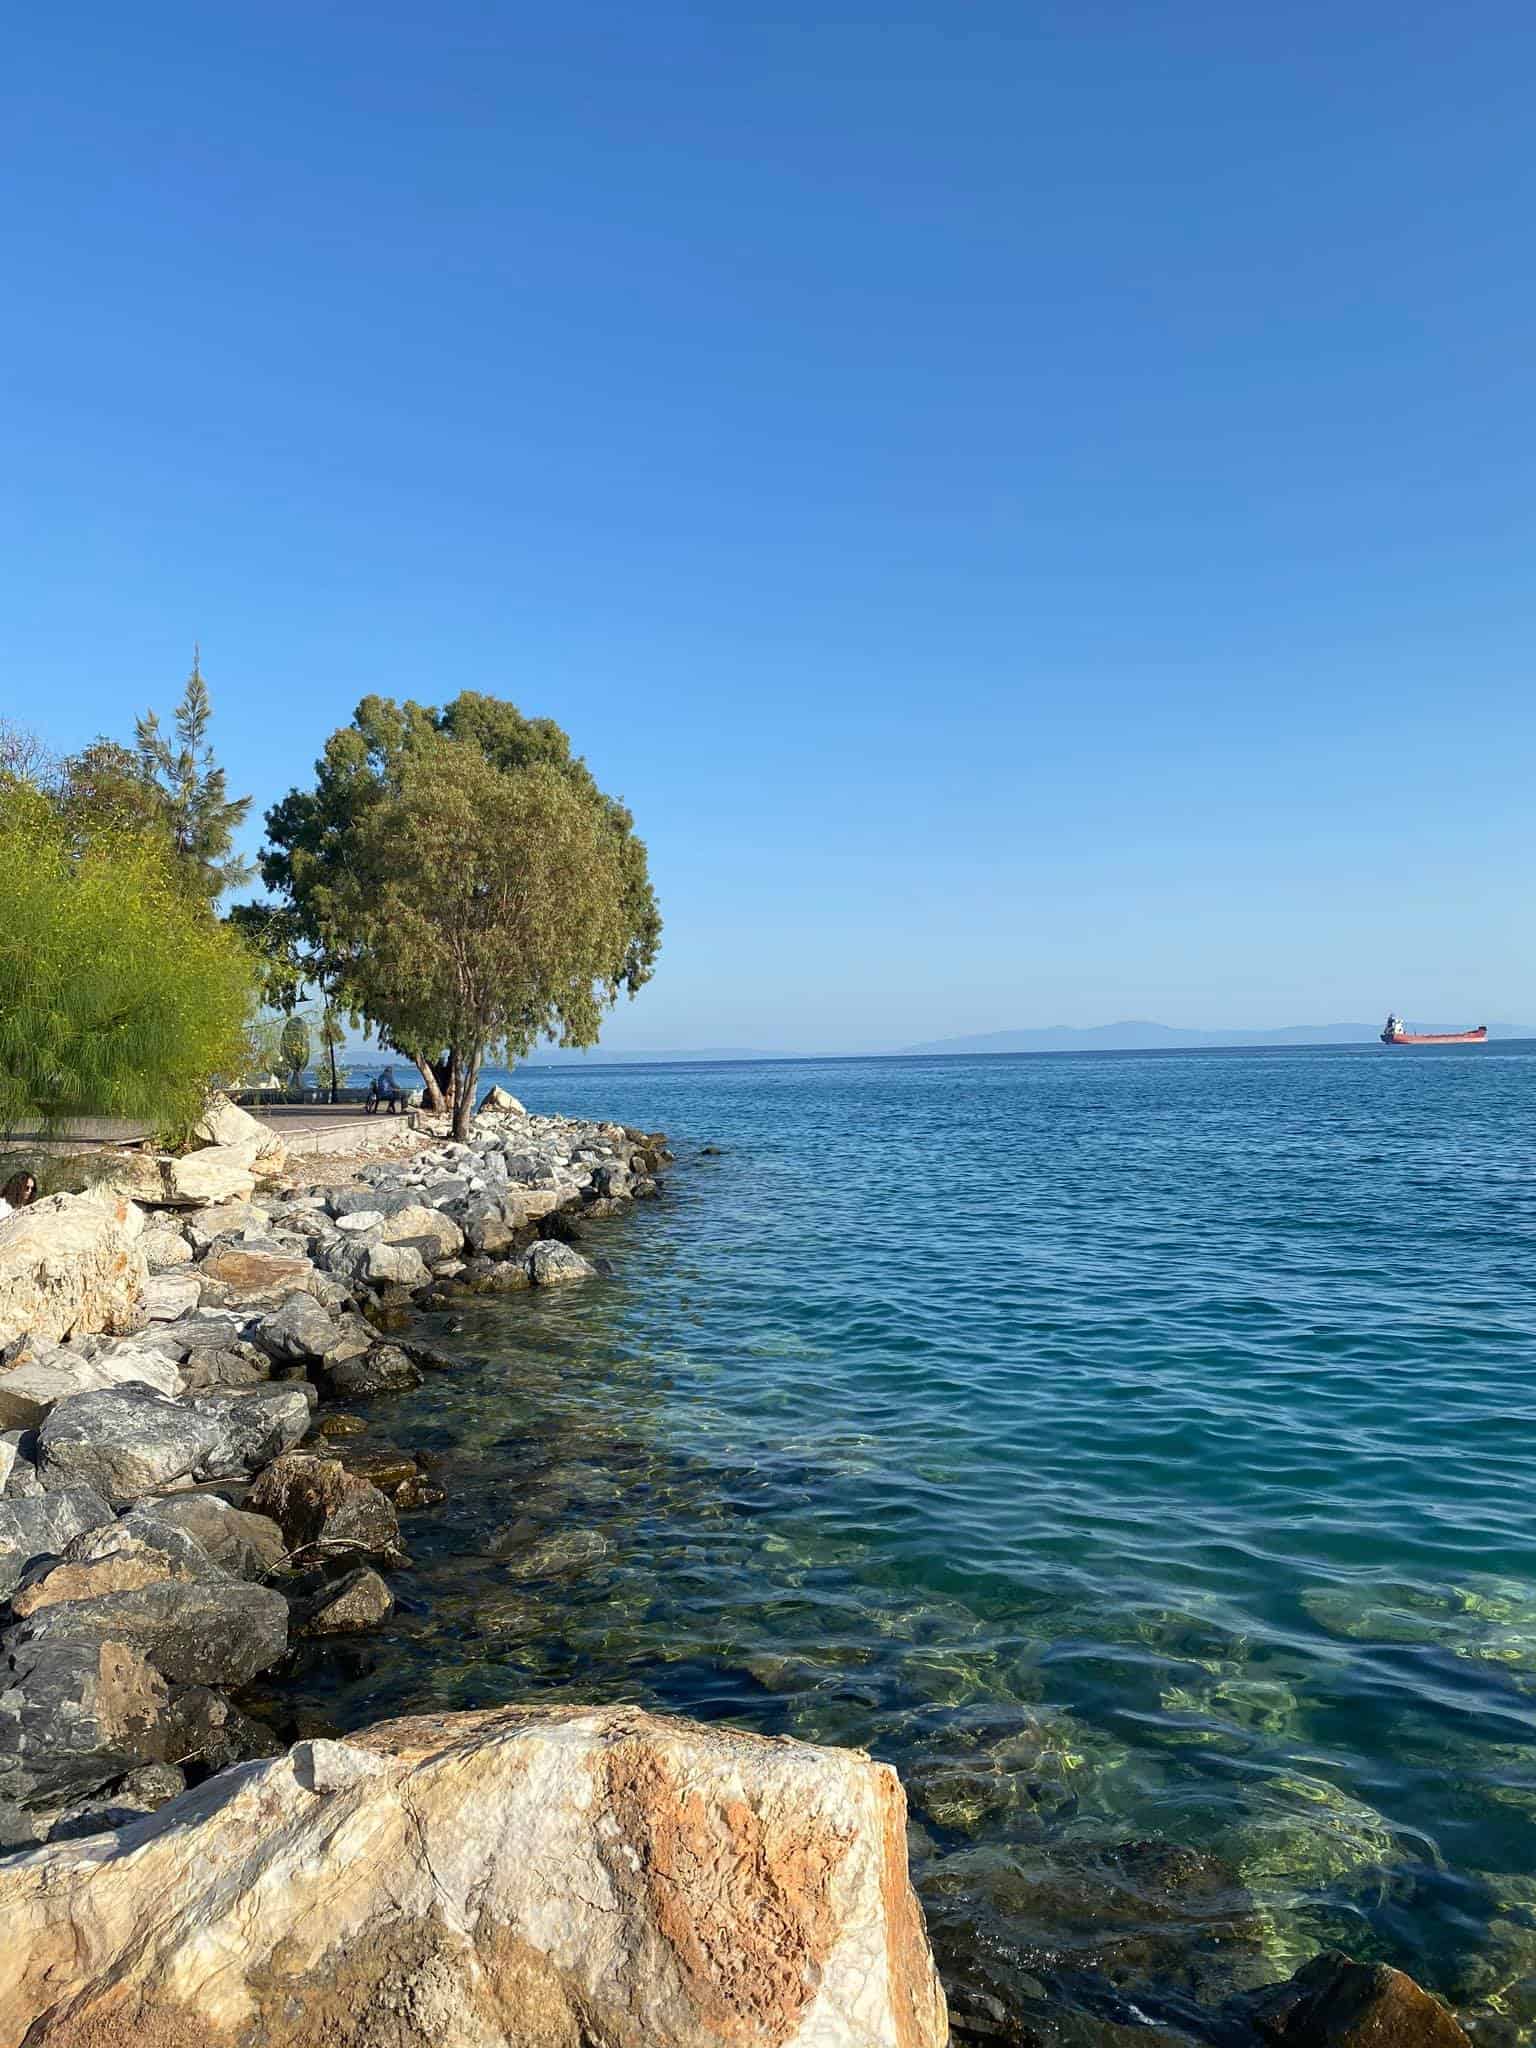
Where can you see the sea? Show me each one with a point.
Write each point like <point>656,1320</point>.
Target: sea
<point>1138,1450</point>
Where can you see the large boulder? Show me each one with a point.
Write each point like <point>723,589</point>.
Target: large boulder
<point>552,1264</point>
<point>213,1175</point>
<point>493,1880</point>
<point>385,1369</point>
<point>257,1272</point>
<point>500,1101</point>
<point>71,1264</point>
<point>323,1508</point>
<point>299,1332</point>
<point>120,1557</point>
<point>41,1525</point>
<point>192,1631</point>
<point>248,1546</point>
<point>124,1441</point>
<point>395,1265</point>
<point>224,1123</point>
<point>417,1223</point>
<point>73,1716</point>
<point>49,1374</point>
<point>255,1425</point>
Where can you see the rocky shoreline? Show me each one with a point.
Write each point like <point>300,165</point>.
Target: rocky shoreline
<point>182,1504</point>
<point>169,1341</point>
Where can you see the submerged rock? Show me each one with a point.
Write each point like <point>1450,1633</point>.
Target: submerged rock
<point>1334,2003</point>
<point>492,1879</point>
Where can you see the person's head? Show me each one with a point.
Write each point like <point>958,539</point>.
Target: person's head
<point>19,1190</point>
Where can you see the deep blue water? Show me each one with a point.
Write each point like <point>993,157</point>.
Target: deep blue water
<point>1135,1448</point>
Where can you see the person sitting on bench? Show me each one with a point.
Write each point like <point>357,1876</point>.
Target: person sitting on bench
<point>386,1089</point>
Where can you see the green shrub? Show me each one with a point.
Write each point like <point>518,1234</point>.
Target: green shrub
<point>120,993</point>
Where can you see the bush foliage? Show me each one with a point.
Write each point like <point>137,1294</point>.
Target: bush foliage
<point>120,994</point>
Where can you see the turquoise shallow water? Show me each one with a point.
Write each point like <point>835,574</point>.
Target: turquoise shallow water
<point>1136,1449</point>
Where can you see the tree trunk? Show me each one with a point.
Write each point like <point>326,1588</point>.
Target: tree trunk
<point>335,1084</point>
<point>431,1093</point>
<point>466,1084</point>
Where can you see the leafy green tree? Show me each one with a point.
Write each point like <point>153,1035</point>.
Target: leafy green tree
<point>388,832</point>
<point>174,787</point>
<point>120,994</point>
<point>295,1049</point>
<point>271,932</point>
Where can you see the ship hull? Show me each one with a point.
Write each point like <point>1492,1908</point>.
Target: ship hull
<point>1476,1037</point>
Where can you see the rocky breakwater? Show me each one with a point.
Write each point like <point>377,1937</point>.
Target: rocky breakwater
<point>555,1877</point>
<point>174,1506</point>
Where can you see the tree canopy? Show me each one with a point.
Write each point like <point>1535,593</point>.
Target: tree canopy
<point>460,881</point>
<point>120,994</point>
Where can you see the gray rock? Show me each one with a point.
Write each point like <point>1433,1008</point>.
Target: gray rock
<point>395,1265</point>
<point>345,1606</point>
<point>486,1276</point>
<point>255,1425</point>
<point>298,1332</point>
<point>552,1264</point>
<point>236,1365</point>
<point>384,1201</point>
<point>124,1441</point>
<point>18,1465</point>
<point>74,1716</point>
<point>205,1329</point>
<point>192,1632</point>
<point>116,1559</point>
<point>169,1295</point>
<point>356,1221</point>
<point>487,1229</point>
<point>165,1248</point>
<point>385,1369</point>
<point>42,1526</point>
<point>246,1545</point>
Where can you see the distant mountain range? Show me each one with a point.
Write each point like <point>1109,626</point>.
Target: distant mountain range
<point>1132,1035</point>
<point>1135,1035</point>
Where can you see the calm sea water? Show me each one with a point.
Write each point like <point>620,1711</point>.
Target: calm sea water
<point>1136,1449</point>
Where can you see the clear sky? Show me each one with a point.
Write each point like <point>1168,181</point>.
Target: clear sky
<point>1031,505</point>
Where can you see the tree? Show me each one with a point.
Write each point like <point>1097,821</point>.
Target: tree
<point>173,788</point>
<point>295,1050</point>
<point>25,758</point>
<point>120,995</point>
<point>388,843</point>
<point>332,1035</point>
<point>271,932</point>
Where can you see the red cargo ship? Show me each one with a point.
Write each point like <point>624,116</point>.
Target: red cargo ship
<point>1397,1033</point>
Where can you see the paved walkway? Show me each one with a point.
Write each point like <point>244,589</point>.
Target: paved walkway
<point>304,1127</point>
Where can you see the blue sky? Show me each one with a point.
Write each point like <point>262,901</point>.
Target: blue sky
<point>1032,506</point>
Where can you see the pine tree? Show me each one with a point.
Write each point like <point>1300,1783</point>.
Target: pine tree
<point>193,792</point>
